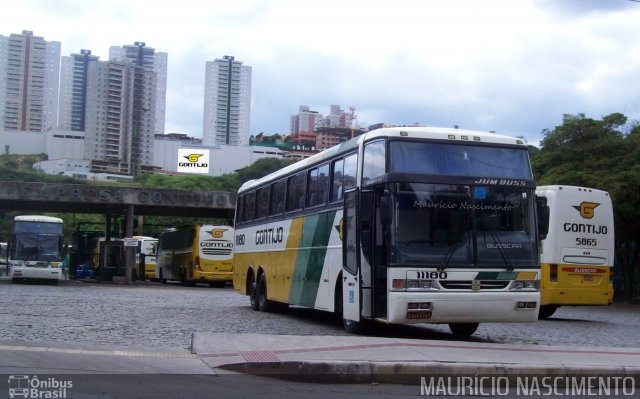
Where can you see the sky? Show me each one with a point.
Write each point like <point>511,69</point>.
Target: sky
<point>513,67</point>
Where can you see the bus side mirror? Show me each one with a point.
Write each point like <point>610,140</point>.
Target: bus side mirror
<point>543,217</point>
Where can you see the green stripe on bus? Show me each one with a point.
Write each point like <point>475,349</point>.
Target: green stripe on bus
<point>496,276</point>
<point>310,260</point>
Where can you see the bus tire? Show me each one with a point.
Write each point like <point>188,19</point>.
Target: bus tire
<point>264,305</point>
<point>354,327</point>
<point>547,311</point>
<point>463,329</point>
<point>251,290</point>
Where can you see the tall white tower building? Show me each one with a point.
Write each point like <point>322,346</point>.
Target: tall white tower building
<point>30,68</point>
<point>74,70</point>
<point>151,61</point>
<point>119,118</point>
<point>227,102</point>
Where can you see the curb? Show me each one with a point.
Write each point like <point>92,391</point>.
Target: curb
<point>412,373</point>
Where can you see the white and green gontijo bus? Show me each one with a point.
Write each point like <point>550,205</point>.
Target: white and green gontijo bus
<point>399,225</point>
<point>35,249</point>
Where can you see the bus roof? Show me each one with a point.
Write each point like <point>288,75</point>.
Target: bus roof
<point>37,218</point>
<point>570,189</point>
<point>425,133</point>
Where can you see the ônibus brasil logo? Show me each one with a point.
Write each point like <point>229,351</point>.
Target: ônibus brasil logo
<point>23,386</point>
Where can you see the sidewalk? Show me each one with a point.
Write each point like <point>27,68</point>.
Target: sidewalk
<point>374,359</point>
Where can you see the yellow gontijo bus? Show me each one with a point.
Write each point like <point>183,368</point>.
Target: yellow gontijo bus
<point>196,253</point>
<point>398,225</point>
<point>578,251</point>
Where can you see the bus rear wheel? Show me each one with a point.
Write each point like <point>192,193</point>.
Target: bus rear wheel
<point>264,305</point>
<point>463,329</point>
<point>253,300</point>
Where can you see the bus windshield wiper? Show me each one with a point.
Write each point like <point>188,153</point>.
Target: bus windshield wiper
<point>498,244</point>
<point>458,236</point>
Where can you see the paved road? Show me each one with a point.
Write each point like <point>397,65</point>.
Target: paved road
<point>166,316</point>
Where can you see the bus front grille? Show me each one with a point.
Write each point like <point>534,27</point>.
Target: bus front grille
<point>468,285</point>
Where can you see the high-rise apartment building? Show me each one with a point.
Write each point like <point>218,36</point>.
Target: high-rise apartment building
<point>120,116</point>
<point>227,102</point>
<point>338,118</point>
<point>30,67</point>
<point>306,121</point>
<point>152,61</point>
<point>73,90</point>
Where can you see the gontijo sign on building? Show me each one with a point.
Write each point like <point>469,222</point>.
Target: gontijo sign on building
<point>193,160</point>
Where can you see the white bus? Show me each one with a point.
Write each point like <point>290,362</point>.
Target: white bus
<point>399,225</point>
<point>35,249</point>
<point>578,250</point>
<point>3,258</point>
<point>146,250</point>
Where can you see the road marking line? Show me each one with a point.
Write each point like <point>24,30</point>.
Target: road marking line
<point>99,352</point>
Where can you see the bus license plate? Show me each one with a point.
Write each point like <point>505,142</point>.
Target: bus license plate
<point>587,278</point>
<point>418,315</point>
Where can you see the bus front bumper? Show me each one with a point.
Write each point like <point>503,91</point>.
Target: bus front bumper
<point>48,273</point>
<point>463,307</point>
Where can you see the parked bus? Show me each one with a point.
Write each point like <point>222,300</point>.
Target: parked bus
<point>578,251</point>
<point>398,225</point>
<point>147,251</point>
<point>3,258</point>
<point>196,254</point>
<point>35,249</point>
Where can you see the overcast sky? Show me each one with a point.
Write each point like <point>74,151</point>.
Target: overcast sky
<point>511,66</point>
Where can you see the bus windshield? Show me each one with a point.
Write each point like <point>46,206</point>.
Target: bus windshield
<point>459,160</point>
<point>461,225</point>
<point>37,248</point>
<point>37,227</point>
<point>177,240</point>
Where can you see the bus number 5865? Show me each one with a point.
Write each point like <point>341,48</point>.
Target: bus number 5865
<point>587,242</point>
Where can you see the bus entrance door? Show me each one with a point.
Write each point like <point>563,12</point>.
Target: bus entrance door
<point>350,261</point>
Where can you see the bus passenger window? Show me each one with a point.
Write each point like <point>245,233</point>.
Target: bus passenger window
<point>262,203</point>
<point>249,207</point>
<point>318,186</point>
<point>350,171</point>
<point>295,192</point>
<point>277,197</point>
<point>336,185</point>
<point>322,189</point>
<point>312,181</point>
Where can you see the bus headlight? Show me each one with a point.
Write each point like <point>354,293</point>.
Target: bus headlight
<point>525,285</point>
<point>412,285</point>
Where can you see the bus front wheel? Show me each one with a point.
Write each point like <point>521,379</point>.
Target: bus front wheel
<point>464,329</point>
<point>354,327</point>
